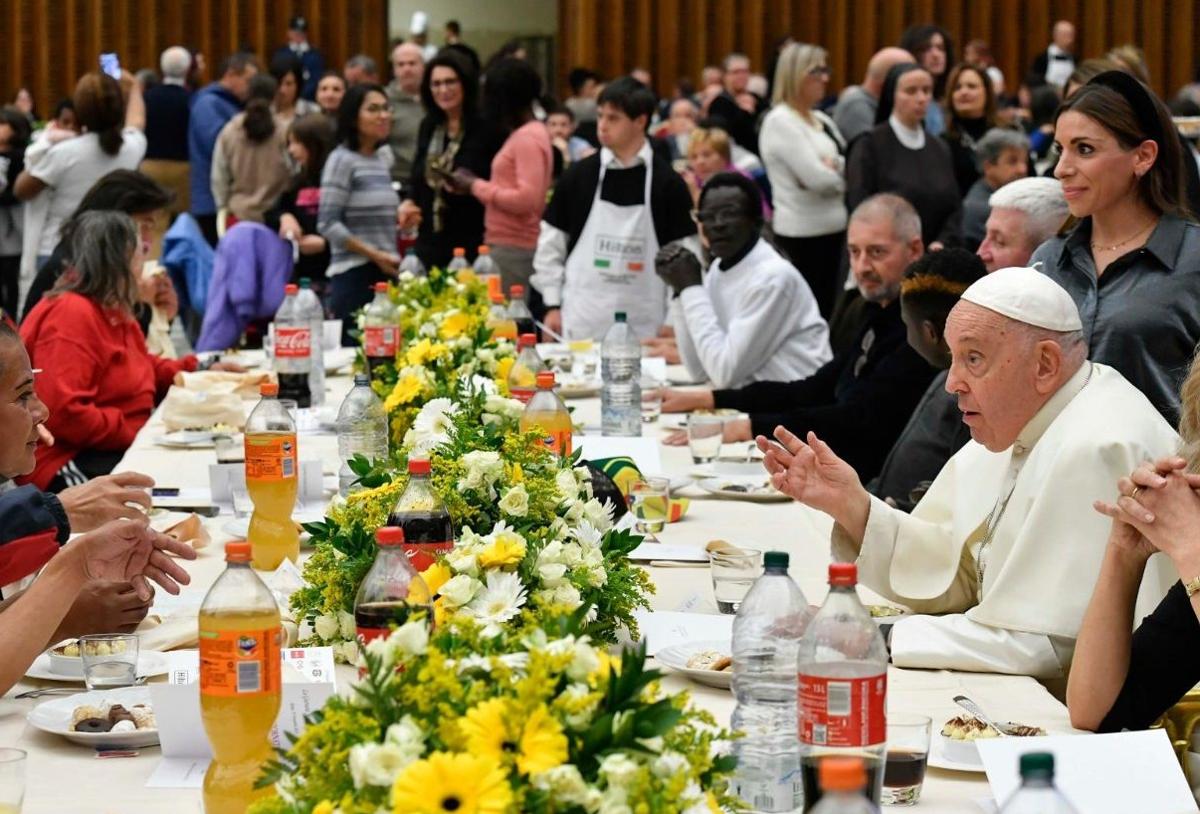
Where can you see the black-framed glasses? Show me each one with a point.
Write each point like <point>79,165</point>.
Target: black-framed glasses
<point>715,218</point>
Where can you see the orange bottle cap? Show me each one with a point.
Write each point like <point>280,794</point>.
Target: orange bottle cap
<point>389,535</point>
<point>483,250</point>
<point>517,292</point>
<point>268,389</point>
<point>291,288</point>
<point>381,288</point>
<point>459,251</point>
<point>842,774</point>
<point>526,341</point>
<point>237,552</point>
<point>545,379</point>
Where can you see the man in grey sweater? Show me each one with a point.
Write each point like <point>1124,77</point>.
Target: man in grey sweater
<point>854,113</point>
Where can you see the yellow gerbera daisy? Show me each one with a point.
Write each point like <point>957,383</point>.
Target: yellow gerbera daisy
<point>407,389</point>
<point>503,368</point>
<point>323,807</point>
<point>451,782</point>
<point>508,549</point>
<point>454,325</point>
<point>435,576</point>
<point>538,745</point>
<point>419,352</point>
<point>486,730</point>
<point>543,744</point>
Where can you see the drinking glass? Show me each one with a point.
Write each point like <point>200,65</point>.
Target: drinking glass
<point>650,498</point>
<point>704,437</point>
<point>293,408</point>
<point>732,576</point>
<point>907,755</point>
<point>229,450</point>
<point>12,780</point>
<point>109,660</point>
<point>652,399</point>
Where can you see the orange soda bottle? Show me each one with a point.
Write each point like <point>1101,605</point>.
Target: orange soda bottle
<point>547,413</point>
<point>522,379</point>
<point>503,326</point>
<point>240,682</point>
<point>272,481</point>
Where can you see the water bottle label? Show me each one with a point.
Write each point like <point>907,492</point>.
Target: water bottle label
<point>270,458</point>
<point>292,342</point>
<point>240,662</point>
<point>380,341</point>
<point>843,711</point>
<point>784,794</point>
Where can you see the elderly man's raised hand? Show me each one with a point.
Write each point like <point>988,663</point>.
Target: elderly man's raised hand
<point>814,475</point>
<point>130,551</point>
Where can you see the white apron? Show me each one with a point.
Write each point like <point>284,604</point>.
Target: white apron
<point>611,269</point>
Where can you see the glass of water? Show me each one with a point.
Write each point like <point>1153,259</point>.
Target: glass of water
<point>652,399</point>
<point>650,498</point>
<point>109,660</point>
<point>705,433</point>
<point>732,576</point>
<point>12,780</point>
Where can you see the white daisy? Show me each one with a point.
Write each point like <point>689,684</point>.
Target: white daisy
<point>500,600</point>
<point>435,418</point>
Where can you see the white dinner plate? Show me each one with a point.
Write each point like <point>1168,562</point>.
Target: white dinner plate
<point>576,389</point>
<point>54,716</point>
<point>938,759</point>
<point>187,439</point>
<point>676,658</point>
<point>150,663</point>
<point>721,487</point>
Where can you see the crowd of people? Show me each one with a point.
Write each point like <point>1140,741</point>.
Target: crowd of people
<point>963,308</point>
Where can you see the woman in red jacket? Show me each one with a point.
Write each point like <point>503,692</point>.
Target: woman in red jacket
<point>98,379</point>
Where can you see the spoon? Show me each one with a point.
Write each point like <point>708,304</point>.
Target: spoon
<point>978,713</point>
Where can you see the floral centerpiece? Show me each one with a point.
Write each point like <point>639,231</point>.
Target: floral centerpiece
<point>535,719</point>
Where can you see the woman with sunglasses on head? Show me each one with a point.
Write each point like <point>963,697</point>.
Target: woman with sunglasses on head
<point>804,156</point>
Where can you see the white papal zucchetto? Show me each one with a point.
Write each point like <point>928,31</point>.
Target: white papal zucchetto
<point>1026,295</point>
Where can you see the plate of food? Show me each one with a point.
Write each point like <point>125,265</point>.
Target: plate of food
<point>193,438</point>
<point>757,490</point>
<point>887,613</point>
<point>955,748</point>
<point>709,663</point>
<point>63,663</point>
<point>112,719</point>
<point>573,388</point>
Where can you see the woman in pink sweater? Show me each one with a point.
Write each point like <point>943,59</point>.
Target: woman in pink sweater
<point>521,172</point>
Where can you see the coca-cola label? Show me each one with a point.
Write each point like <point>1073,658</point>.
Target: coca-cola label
<point>423,555</point>
<point>380,341</point>
<point>843,711</point>
<point>292,342</point>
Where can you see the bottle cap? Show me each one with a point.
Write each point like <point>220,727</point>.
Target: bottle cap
<point>526,340</point>
<point>843,574</point>
<point>268,390</point>
<point>842,774</point>
<point>497,297</point>
<point>290,288</point>
<point>238,552</point>
<point>389,535</point>
<point>305,282</point>
<point>1037,764</point>
<point>459,251</point>
<point>493,287</point>
<point>545,379</point>
<point>381,288</point>
<point>619,316</point>
<point>361,378</point>
<point>419,466</point>
<point>483,249</point>
<point>516,292</point>
<point>776,559</point>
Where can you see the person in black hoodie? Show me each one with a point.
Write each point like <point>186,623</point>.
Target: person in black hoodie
<point>14,137</point>
<point>861,400</point>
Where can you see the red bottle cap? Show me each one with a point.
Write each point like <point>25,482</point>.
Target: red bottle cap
<point>517,292</point>
<point>389,535</point>
<point>237,552</point>
<point>842,774</point>
<point>843,574</point>
<point>526,341</point>
<point>459,251</point>
<point>545,379</point>
<point>291,288</point>
<point>419,466</point>
<point>483,250</point>
<point>381,288</point>
<point>268,389</point>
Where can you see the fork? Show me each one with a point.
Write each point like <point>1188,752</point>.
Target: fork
<point>65,690</point>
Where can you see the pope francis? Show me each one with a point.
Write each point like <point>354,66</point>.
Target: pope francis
<point>999,558</point>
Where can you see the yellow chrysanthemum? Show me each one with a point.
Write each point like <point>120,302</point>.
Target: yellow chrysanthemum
<point>436,576</point>
<point>407,389</point>
<point>608,664</point>
<point>503,368</point>
<point>515,473</point>
<point>486,730</point>
<point>424,352</point>
<point>454,325</point>
<point>452,782</point>
<point>543,744</point>
<point>508,549</point>
<point>323,807</point>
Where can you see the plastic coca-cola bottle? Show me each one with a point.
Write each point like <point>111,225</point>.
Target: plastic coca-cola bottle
<point>519,312</point>
<point>381,331</point>
<point>842,668</point>
<point>392,592</point>
<point>293,349</point>
<point>522,379</point>
<point>428,529</point>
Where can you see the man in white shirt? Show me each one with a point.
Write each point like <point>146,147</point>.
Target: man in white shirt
<point>752,317</point>
<point>1004,546</point>
<point>1055,65</point>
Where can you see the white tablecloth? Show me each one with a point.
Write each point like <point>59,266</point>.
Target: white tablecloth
<point>65,778</point>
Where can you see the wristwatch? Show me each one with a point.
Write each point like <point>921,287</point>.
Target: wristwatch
<point>1192,587</point>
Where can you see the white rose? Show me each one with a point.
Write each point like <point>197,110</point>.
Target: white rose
<point>584,663</point>
<point>515,501</point>
<point>618,769</point>
<point>568,487</point>
<point>383,650</point>
<point>406,734</point>
<point>460,590</point>
<point>346,651</point>
<point>463,561</point>
<point>552,553</point>
<point>327,627</point>
<point>552,574</point>
<point>669,764</point>
<point>377,764</point>
<point>572,555</point>
<point>567,594</point>
<point>595,577</point>
<point>564,783</point>
<point>582,718</point>
<point>501,406</point>
<point>412,638</point>
<point>346,622</point>
<point>428,329</point>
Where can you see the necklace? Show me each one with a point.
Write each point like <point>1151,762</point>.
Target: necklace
<point>1130,239</point>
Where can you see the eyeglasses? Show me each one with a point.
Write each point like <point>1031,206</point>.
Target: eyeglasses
<point>715,218</point>
<point>443,83</point>
<point>820,70</point>
<point>376,109</point>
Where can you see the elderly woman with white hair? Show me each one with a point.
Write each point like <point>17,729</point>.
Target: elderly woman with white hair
<point>803,153</point>
<point>1024,214</point>
<point>1003,157</point>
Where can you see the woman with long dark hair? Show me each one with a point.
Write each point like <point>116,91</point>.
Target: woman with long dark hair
<point>971,112</point>
<point>933,49</point>
<point>249,169</point>
<point>289,77</point>
<point>309,142</point>
<point>521,171</point>
<point>452,136</point>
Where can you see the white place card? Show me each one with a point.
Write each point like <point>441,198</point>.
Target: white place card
<point>643,450</point>
<point>661,552</point>
<point>655,367</point>
<point>661,629</point>
<point>1115,773</point>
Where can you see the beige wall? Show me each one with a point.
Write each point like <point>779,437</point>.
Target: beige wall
<point>486,24</point>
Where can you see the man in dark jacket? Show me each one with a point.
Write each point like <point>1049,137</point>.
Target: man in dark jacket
<point>736,108</point>
<point>212,108</point>
<point>312,63</point>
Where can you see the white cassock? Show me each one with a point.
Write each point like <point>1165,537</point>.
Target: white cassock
<point>1006,546</point>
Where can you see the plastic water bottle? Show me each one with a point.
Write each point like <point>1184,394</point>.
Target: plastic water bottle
<point>766,639</point>
<point>412,264</point>
<point>459,261</point>
<point>293,350</point>
<point>621,372</point>
<point>485,267</point>
<point>843,686</point>
<point>362,429</point>
<point>843,780</point>
<point>1037,794</point>
<point>310,306</point>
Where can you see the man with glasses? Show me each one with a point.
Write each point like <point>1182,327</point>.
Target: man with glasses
<point>752,317</point>
<point>404,93</point>
<point>861,400</point>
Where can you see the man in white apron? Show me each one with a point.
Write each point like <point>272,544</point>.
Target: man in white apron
<point>605,222</point>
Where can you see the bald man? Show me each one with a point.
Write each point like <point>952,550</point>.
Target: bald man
<point>1055,65</point>
<point>404,92</point>
<point>999,558</point>
<point>854,113</point>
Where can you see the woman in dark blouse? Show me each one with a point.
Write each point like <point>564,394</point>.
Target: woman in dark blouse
<point>310,139</point>
<point>970,112</point>
<point>452,136</point>
<point>898,156</point>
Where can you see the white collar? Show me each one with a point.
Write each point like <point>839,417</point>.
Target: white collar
<point>911,137</point>
<point>174,80</point>
<point>300,47</point>
<point>609,160</point>
<point>1054,51</point>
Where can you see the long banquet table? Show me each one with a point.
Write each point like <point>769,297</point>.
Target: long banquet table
<point>64,779</point>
